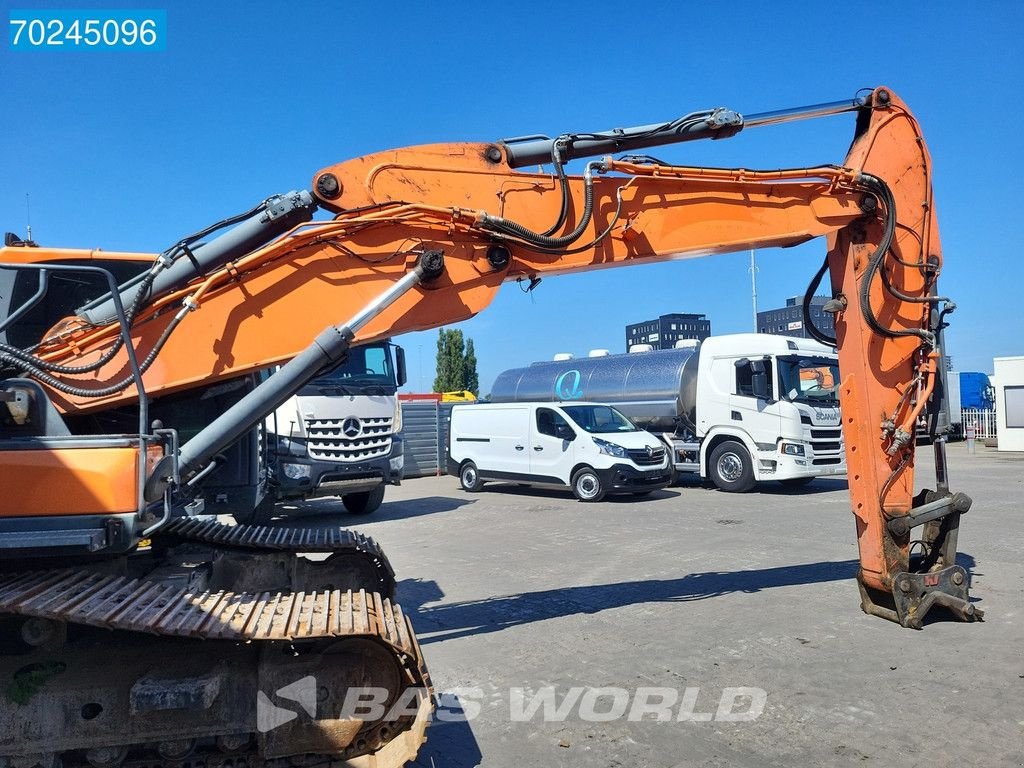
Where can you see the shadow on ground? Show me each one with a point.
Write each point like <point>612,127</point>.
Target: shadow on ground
<point>474,617</point>
<point>329,511</point>
<point>450,739</point>
<point>513,489</point>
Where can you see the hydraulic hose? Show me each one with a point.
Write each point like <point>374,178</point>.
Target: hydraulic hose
<point>516,230</point>
<point>881,190</point>
<point>816,333</point>
<point>112,389</point>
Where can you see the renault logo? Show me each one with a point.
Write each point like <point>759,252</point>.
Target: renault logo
<point>351,426</point>
<point>650,451</point>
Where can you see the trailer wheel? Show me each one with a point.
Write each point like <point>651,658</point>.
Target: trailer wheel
<point>730,468</point>
<point>586,485</point>
<point>469,478</point>
<point>365,502</point>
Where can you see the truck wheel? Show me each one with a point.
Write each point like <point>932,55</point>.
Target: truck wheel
<point>730,469</point>
<point>586,485</point>
<point>796,482</point>
<point>469,478</point>
<point>365,502</point>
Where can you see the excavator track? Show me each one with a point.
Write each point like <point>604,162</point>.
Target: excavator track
<point>359,551</point>
<point>137,605</point>
<point>265,537</point>
<point>197,672</point>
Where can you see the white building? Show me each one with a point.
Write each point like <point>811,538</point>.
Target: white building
<point>1008,379</point>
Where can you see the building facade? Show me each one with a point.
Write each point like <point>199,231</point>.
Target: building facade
<point>789,320</point>
<point>663,332</point>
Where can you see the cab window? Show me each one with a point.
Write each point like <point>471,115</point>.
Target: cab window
<point>551,423</point>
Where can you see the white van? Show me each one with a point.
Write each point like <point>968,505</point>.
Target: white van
<point>589,447</point>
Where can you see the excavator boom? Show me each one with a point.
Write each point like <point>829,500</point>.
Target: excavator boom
<point>422,237</point>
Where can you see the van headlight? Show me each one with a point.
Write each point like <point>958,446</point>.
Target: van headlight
<point>610,449</point>
<point>791,449</point>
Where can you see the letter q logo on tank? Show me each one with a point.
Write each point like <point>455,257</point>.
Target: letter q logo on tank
<point>567,386</point>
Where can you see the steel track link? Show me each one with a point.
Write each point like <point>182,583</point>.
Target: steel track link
<point>338,542</point>
<point>137,605</point>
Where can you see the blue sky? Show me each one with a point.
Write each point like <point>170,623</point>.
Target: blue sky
<point>129,151</point>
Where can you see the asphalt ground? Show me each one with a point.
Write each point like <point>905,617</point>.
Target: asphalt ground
<point>551,622</point>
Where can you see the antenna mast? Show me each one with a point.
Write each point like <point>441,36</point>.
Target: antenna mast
<point>753,286</point>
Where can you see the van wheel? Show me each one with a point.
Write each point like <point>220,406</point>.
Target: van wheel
<point>586,485</point>
<point>730,469</point>
<point>365,502</point>
<point>469,478</point>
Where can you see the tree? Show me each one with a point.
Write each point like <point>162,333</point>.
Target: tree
<point>450,361</point>
<point>472,378</point>
<point>456,363</point>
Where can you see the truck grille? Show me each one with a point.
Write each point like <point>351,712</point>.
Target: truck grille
<point>327,442</point>
<point>641,459</point>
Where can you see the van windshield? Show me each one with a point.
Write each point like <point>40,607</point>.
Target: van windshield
<point>598,419</point>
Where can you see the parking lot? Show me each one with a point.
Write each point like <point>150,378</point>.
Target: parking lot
<point>521,594</point>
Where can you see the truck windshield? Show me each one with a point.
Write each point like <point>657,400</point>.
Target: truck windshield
<point>368,370</point>
<point>598,419</point>
<point>811,380</point>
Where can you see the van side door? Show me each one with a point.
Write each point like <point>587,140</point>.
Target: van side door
<point>551,447</point>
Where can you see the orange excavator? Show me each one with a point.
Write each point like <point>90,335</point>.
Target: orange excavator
<point>141,631</point>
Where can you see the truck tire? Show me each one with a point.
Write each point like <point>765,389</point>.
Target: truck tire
<point>730,468</point>
<point>586,485</point>
<point>469,478</point>
<point>364,502</point>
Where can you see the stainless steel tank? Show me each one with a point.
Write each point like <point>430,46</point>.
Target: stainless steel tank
<point>656,390</point>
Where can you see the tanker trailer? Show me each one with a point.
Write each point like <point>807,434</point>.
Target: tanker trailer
<point>736,409</point>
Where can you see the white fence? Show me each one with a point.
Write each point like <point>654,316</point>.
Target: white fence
<point>983,421</point>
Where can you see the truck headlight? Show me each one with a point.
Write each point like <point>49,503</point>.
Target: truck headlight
<point>791,449</point>
<point>295,471</point>
<point>610,449</point>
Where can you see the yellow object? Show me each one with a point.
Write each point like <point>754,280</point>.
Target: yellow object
<point>463,396</point>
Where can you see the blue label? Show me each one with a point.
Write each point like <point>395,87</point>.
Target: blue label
<point>87,30</point>
<point>567,386</point>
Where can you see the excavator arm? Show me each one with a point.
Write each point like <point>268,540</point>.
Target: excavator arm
<point>424,236</point>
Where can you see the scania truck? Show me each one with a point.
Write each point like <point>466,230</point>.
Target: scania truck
<point>737,409</point>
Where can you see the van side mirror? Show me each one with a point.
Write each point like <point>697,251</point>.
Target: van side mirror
<point>565,432</point>
<point>400,373</point>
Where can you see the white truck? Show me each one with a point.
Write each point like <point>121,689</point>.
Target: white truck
<point>737,409</point>
<point>339,435</point>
